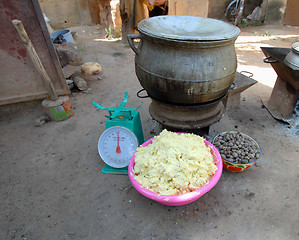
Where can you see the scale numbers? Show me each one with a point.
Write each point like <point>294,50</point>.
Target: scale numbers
<point>116,146</point>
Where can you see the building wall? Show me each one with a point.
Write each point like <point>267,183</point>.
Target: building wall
<point>276,9</point>
<point>291,16</point>
<point>217,8</point>
<point>198,8</point>
<point>86,12</point>
<point>62,14</point>
<point>69,13</point>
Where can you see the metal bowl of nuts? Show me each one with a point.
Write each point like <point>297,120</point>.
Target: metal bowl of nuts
<point>238,150</point>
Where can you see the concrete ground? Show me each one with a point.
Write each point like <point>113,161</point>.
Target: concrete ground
<point>52,187</point>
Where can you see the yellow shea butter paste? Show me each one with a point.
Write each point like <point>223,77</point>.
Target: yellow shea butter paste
<point>174,163</point>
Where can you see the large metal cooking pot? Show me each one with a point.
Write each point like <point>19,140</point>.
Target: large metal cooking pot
<point>185,59</point>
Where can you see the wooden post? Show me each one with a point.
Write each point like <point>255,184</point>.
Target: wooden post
<point>35,59</point>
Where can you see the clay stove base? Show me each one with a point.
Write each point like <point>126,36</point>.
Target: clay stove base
<point>186,118</point>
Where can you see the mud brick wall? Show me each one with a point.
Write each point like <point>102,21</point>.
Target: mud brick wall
<point>217,8</point>
<point>66,13</point>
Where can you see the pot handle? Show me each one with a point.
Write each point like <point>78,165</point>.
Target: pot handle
<point>266,60</point>
<point>131,38</point>
<point>138,93</point>
<point>232,86</point>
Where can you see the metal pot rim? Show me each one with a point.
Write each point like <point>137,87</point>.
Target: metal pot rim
<point>292,59</point>
<point>187,28</point>
<point>295,47</point>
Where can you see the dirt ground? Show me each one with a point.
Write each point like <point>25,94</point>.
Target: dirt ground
<point>52,186</point>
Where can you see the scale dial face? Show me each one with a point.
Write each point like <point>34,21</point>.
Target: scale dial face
<point>116,146</point>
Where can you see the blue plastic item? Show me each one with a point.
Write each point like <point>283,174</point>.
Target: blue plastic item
<point>65,33</point>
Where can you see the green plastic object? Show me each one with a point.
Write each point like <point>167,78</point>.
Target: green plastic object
<point>125,117</point>
<point>111,170</point>
<point>60,109</point>
<point>133,124</point>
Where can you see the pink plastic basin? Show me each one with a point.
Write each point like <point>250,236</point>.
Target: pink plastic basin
<point>182,199</point>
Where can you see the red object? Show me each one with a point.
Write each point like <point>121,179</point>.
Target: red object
<point>118,147</point>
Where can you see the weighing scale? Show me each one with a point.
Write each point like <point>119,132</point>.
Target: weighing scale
<point>121,138</point>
